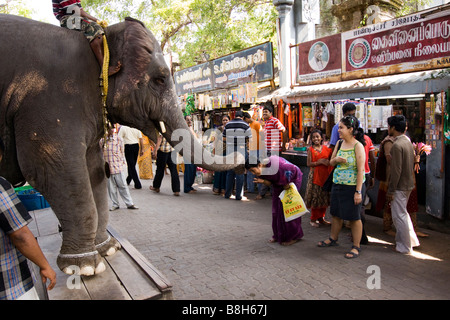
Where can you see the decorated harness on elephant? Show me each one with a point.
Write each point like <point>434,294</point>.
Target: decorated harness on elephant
<point>104,84</point>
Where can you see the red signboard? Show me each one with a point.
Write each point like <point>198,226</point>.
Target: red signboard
<point>394,47</point>
<point>406,44</point>
<point>319,60</point>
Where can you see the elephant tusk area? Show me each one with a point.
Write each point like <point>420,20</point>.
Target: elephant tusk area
<point>163,127</point>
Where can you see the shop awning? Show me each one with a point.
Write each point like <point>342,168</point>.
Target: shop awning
<point>407,84</point>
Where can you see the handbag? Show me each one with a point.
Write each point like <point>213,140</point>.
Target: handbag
<point>380,168</point>
<point>293,205</point>
<point>329,182</point>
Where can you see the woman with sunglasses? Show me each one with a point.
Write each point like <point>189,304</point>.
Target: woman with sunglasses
<point>348,184</point>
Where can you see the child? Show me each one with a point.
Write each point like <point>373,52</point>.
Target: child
<point>72,16</point>
<point>318,160</point>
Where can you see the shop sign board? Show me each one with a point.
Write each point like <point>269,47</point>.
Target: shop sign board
<point>406,44</point>
<point>254,64</point>
<point>250,65</point>
<point>320,60</point>
<point>194,79</point>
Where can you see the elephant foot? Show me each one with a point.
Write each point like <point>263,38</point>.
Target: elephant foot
<point>84,264</point>
<point>108,247</point>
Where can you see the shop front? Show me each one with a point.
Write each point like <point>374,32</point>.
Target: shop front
<point>398,66</point>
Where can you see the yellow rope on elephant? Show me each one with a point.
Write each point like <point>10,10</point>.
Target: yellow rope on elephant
<point>105,70</point>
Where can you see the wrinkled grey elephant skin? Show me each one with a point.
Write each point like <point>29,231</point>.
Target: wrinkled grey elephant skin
<point>51,121</point>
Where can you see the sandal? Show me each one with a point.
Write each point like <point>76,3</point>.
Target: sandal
<point>332,243</point>
<point>351,255</point>
<point>154,189</point>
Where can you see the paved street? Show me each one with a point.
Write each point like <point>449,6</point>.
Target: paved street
<point>212,248</point>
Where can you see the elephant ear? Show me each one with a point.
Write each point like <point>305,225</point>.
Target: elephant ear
<point>138,44</point>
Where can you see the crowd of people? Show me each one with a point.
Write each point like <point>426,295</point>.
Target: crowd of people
<point>347,163</point>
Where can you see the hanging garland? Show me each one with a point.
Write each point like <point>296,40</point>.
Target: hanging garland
<point>190,105</point>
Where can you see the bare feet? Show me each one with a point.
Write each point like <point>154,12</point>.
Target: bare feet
<point>154,189</point>
<point>422,235</point>
<point>288,243</point>
<point>272,240</point>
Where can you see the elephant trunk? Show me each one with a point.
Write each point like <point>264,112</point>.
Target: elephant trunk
<point>178,134</point>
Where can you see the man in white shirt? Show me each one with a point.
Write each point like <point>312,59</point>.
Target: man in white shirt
<point>132,138</point>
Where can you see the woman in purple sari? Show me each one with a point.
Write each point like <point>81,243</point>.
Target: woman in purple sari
<point>279,172</point>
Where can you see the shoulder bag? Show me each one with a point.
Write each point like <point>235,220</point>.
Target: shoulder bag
<point>329,182</point>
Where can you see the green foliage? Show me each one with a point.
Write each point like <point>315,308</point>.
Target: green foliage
<point>411,6</point>
<point>17,7</point>
<point>189,28</point>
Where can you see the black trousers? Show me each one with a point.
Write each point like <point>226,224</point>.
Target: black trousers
<point>163,158</point>
<point>131,155</point>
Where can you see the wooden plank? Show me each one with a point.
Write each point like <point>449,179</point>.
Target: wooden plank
<point>50,246</point>
<point>46,221</point>
<point>105,286</point>
<point>33,225</point>
<point>138,285</point>
<point>128,274</point>
<point>158,278</point>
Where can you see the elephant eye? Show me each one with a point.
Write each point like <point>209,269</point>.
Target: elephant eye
<point>159,81</point>
<point>150,51</point>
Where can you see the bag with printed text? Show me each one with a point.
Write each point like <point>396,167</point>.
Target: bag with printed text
<point>293,204</point>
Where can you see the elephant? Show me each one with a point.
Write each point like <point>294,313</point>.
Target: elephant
<point>51,122</point>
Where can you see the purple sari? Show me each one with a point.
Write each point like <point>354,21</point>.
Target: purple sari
<point>286,173</point>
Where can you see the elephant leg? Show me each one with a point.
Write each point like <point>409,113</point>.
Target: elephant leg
<point>64,182</point>
<point>104,243</point>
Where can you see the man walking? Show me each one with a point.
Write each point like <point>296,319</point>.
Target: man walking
<point>114,156</point>
<point>134,146</point>
<point>401,184</point>
<point>236,134</point>
<point>163,152</point>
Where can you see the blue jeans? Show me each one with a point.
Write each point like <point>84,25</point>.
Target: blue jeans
<point>231,175</point>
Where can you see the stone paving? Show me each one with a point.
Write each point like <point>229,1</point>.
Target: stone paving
<point>212,248</point>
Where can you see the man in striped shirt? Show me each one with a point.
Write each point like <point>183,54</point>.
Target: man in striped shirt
<point>71,15</point>
<point>273,129</point>
<point>114,155</point>
<point>236,133</point>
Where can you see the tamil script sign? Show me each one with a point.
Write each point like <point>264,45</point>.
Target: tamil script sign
<point>406,44</point>
<point>250,65</point>
<point>400,45</point>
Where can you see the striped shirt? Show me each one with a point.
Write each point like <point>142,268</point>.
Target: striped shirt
<point>114,153</point>
<point>237,133</point>
<point>15,276</point>
<point>272,132</point>
<point>60,7</point>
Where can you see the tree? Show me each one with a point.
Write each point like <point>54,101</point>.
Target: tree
<point>191,28</point>
<point>17,7</point>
